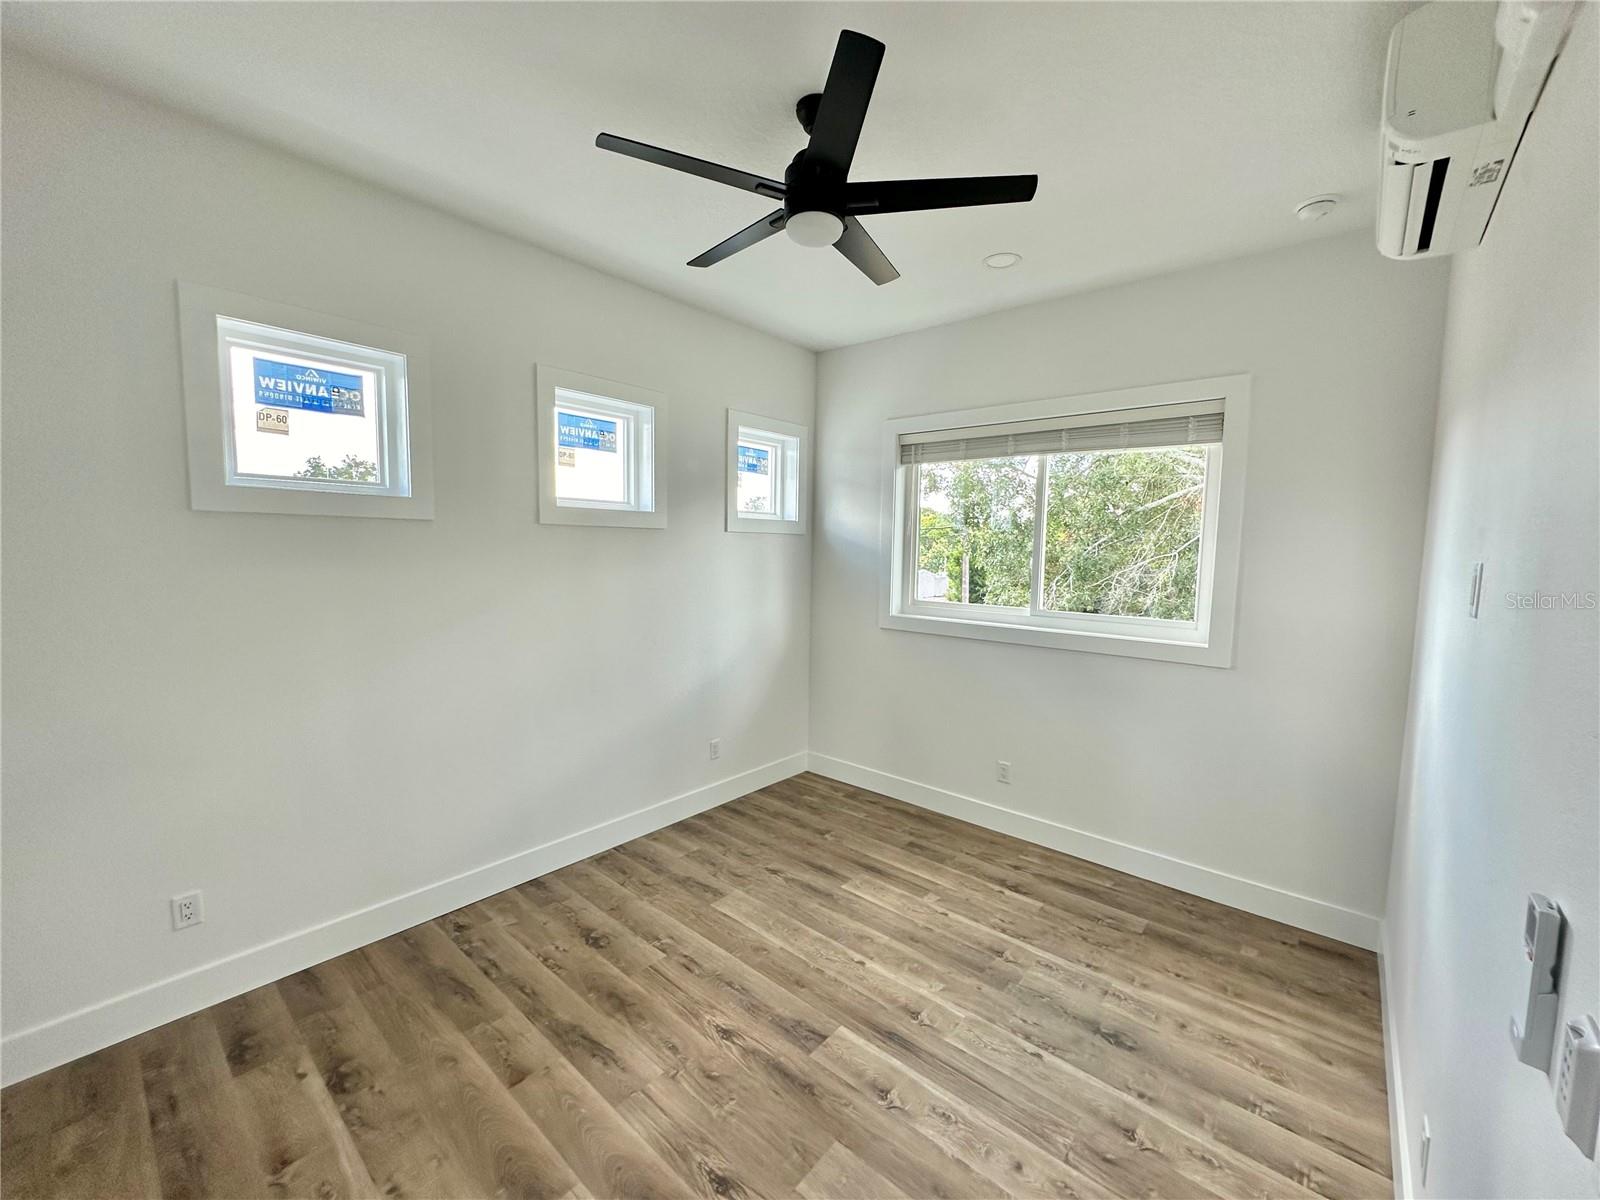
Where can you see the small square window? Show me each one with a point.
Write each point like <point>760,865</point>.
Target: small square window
<point>597,445</point>
<point>766,475</point>
<point>291,411</point>
<point>311,413</point>
<point>760,490</point>
<point>592,453</point>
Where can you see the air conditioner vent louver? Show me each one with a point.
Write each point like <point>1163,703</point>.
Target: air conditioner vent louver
<point>1439,172</point>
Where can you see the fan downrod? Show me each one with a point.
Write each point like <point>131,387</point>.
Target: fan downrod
<point>806,110</point>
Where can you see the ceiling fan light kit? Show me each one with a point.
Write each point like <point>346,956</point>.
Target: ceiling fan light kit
<point>820,204</point>
<point>814,228</point>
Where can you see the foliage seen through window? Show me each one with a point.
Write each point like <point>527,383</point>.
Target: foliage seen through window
<point>1122,531</point>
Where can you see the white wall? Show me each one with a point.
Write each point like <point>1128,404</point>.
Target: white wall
<point>1500,794</point>
<point>306,717</point>
<point>1279,772</point>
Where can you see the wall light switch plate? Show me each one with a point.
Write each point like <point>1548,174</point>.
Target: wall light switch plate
<point>1424,1152</point>
<point>1542,941</point>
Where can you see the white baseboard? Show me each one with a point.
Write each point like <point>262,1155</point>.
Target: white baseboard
<point>30,1051</point>
<point>1399,1140</point>
<point>1303,912</point>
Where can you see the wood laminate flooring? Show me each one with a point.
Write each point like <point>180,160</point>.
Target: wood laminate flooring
<point>812,991</point>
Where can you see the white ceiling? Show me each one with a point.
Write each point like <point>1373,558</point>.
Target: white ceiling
<point>1163,134</point>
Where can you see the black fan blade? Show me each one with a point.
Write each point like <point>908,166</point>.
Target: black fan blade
<point>715,172</point>
<point>857,245</point>
<point>908,195</point>
<point>843,110</point>
<point>744,239</point>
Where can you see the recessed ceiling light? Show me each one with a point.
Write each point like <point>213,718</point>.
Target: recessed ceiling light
<point>1002,260</point>
<point>1317,207</point>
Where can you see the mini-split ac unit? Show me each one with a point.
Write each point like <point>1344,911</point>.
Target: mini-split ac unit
<point>1461,82</point>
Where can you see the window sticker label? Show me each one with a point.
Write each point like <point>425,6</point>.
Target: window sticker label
<point>289,385</point>
<point>754,461</point>
<point>585,433</point>
<point>272,420</point>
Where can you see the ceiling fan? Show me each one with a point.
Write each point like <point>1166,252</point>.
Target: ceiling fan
<point>820,204</point>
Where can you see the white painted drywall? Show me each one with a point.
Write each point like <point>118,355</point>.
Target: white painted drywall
<point>1500,794</point>
<point>1279,771</point>
<point>307,716</point>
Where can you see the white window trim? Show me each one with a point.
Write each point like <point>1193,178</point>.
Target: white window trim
<point>647,451</point>
<point>1205,642</point>
<point>207,411</point>
<point>794,466</point>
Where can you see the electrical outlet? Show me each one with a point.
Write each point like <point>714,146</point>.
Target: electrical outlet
<point>716,748</point>
<point>1578,1083</point>
<point>1423,1152</point>
<point>187,910</point>
<point>1002,771</point>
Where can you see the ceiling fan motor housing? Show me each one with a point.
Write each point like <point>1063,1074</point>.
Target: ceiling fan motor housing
<point>812,186</point>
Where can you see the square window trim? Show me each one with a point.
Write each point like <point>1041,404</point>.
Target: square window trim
<point>795,441</point>
<point>648,470</point>
<point>400,360</point>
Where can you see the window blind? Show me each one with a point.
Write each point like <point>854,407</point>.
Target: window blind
<point>1197,424</point>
